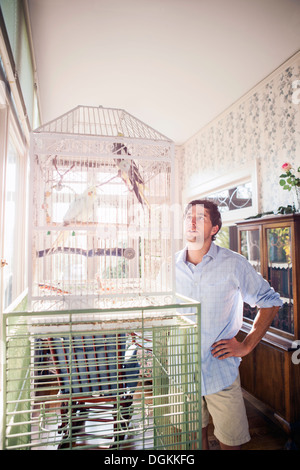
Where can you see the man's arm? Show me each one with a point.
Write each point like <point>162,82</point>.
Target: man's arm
<point>223,349</point>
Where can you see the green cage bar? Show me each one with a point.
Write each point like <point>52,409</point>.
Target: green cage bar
<point>124,379</point>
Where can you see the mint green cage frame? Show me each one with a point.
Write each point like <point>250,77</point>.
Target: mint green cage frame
<point>165,413</point>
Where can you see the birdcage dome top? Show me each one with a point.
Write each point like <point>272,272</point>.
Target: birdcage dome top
<point>102,122</point>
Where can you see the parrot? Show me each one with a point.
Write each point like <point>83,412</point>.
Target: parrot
<point>80,210</point>
<point>130,174</point>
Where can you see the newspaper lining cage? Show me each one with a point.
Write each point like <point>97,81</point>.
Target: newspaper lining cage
<point>104,325</point>
<point>101,222</point>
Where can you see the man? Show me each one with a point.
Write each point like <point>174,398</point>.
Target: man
<point>222,280</point>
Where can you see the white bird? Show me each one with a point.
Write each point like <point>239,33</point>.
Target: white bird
<point>80,211</point>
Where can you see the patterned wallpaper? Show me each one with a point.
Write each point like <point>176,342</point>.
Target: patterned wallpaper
<point>264,124</point>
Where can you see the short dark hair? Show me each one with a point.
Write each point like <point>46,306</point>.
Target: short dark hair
<point>213,209</point>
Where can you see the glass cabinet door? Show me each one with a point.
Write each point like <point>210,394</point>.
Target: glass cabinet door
<point>280,269</point>
<point>250,248</point>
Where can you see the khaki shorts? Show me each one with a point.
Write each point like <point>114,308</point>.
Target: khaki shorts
<point>228,412</point>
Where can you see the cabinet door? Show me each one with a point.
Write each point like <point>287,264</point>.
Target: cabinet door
<point>279,265</point>
<point>270,253</point>
<point>250,247</point>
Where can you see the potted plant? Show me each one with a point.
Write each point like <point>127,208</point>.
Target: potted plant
<point>289,181</point>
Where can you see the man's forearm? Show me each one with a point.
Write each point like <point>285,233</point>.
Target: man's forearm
<point>260,326</point>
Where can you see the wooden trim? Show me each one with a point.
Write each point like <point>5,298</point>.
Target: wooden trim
<point>272,218</point>
<point>271,338</point>
<point>268,412</point>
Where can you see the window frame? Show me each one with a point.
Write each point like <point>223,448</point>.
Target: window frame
<point>242,175</point>
<point>14,136</point>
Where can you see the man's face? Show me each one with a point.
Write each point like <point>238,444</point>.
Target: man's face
<point>197,225</point>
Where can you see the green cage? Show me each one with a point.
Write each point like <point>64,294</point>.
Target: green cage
<point>124,379</point>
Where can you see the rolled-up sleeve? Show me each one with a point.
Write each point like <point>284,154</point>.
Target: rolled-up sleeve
<point>255,290</point>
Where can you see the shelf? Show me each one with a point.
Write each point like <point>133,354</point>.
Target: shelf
<point>272,339</point>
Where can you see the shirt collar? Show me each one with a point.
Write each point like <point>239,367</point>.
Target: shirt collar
<point>212,252</point>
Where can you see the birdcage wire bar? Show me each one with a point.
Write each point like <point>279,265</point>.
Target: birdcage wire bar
<point>103,122</point>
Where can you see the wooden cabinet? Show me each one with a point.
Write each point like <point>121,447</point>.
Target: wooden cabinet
<point>271,373</point>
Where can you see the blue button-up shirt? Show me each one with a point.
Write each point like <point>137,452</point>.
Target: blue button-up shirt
<point>221,282</point>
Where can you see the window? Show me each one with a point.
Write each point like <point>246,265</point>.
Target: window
<point>227,237</point>
<point>239,196</point>
<point>13,219</point>
<point>10,197</point>
<point>236,195</point>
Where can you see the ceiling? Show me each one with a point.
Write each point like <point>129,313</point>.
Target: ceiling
<point>174,64</point>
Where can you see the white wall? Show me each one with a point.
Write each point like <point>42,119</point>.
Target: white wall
<point>263,125</point>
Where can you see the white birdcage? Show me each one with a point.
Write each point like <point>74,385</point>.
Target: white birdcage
<point>101,221</point>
